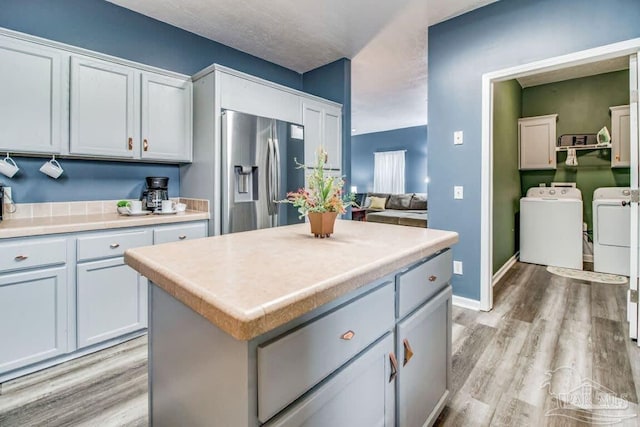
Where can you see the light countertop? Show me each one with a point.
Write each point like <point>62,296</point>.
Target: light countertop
<point>250,283</point>
<point>73,223</point>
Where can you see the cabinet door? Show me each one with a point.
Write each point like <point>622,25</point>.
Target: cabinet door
<point>424,356</point>
<point>111,301</point>
<point>332,140</point>
<point>166,118</point>
<point>620,137</point>
<point>102,109</point>
<point>362,394</point>
<point>33,315</point>
<point>312,114</point>
<point>32,97</point>
<point>537,136</point>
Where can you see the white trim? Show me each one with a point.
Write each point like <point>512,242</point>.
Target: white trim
<point>467,303</point>
<point>600,53</point>
<point>90,53</point>
<point>505,267</point>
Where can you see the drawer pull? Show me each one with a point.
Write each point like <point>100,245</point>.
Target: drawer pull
<point>394,366</point>
<point>408,352</point>
<point>432,278</point>
<point>145,145</point>
<point>347,336</point>
<point>114,245</point>
<point>182,237</point>
<point>21,257</point>
<point>130,144</point>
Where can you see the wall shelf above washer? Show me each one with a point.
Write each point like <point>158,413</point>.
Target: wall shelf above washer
<point>584,147</point>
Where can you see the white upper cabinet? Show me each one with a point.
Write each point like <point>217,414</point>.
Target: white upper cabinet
<point>537,141</point>
<point>166,126</point>
<point>620,137</point>
<point>33,97</point>
<point>322,126</point>
<point>102,109</point>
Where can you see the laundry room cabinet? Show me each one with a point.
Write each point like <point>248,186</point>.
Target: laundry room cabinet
<point>537,142</point>
<point>33,97</point>
<point>620,137</point>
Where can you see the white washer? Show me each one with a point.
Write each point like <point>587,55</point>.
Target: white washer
<point>611,230</point>
<point>551,227</point>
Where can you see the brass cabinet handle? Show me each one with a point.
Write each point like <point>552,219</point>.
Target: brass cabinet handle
<point>432,278</point>
<point>130,144</point>
<point>21,257</point>
<point>145,145</point>
<point>394,366</point>
<point>347,336</point>
<point>618,157</point>
<point>408,352</point>
<point>182,237</point>
<point>114,245</point>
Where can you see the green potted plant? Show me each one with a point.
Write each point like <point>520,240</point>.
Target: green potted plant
<point>324,198</point>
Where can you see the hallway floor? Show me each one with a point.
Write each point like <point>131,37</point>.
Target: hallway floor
<point>550,345</point>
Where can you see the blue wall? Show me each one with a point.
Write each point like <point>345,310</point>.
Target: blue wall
<point>104,27</point>
<point>85,180</point>
<point>413,139</point>
<point>501,35</point>
<point>333,82</point>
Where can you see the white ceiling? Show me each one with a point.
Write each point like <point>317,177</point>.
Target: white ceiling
<point>385,40</point>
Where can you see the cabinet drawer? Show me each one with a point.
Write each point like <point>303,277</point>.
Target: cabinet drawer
<point>179,232</point>
<point>421,282</point>
<point>106,245</point>
<point>36,253</point>
<point>293,364</point>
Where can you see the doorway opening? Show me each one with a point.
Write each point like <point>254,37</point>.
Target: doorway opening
<point>589,63</point>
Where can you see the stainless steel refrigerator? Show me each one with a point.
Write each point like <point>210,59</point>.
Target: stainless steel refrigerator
<point>258,168</point>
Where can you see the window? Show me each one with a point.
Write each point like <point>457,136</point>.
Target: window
<point>388,172</point>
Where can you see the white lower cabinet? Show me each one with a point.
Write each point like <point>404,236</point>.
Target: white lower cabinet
<point>361,394</point>
<point>351,363</point>
<point>111,301</point>
<point>423,349</point>
<point>33,316</point>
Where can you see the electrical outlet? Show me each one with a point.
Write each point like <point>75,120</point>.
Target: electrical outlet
<point>457,137</point>
<point>457,267</point>
<point>458,192</point>
<point>7,194</point>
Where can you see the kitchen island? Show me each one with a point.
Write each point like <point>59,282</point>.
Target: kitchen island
<point>274,326</point>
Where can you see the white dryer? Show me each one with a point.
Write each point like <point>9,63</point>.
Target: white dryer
<point>551,227</point>
<point>611,230</point>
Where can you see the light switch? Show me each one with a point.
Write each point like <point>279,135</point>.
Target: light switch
<point>457,267</point>
<point>458,192</point>
<point>457,137</point>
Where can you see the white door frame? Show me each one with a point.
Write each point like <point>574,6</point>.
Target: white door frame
<point>610,51</point>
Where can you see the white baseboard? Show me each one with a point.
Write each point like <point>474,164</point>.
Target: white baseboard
<point>505,267</point>
<point>466,303</point>
<point>587,258</point>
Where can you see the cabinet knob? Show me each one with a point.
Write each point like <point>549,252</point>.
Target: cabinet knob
<point>618,157</point>
<point>347,336</point>
<point>145,145</point>
<point>182,237</point>
<point>21,257</point>
<point>549,161</point>
<point>408,352</point>
<point>433,278</point>
<point>394,366</point>
<point>114,245</point>
<point>130,144</point>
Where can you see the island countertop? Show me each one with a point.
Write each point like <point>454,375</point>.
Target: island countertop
<point>252,282</point>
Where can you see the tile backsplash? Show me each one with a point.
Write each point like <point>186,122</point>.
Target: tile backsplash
<point>39,210</point>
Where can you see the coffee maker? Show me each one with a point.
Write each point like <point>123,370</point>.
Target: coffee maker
<point>155,193</point>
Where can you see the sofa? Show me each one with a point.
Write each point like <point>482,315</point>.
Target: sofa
<point>400,209</point>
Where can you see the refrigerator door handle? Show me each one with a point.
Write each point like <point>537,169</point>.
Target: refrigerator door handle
<point>270,176</point>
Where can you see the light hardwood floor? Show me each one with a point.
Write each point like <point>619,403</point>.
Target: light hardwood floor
<point>522,364</point>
